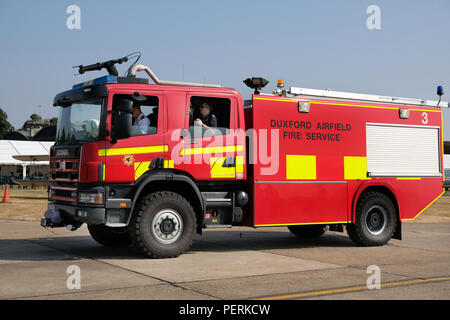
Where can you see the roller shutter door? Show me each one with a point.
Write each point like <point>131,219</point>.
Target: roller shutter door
<point>396,150</point>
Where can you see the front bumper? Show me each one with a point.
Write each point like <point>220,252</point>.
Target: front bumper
<point>59,215</point>
<point>64,210</point>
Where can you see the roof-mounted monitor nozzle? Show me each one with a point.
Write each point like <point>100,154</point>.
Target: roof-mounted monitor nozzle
<point>108,65</point>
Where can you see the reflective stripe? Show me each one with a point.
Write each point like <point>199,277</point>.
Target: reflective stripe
<point>282,100</point>
<point>219,171</point>
<point>443,191</point>
<point>168,164</point>
<point>140,168</point>
<point>355,168</point>
<point>136,150</point>
<point>239,164</point>
<point>299,182</point>
<point>367,106</point>
<point>299,224</point>
<point>344,104</point>
<point>211,150</point>
<point>300,167</point>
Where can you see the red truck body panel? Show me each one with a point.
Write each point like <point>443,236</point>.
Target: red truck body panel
<point>320,191</point>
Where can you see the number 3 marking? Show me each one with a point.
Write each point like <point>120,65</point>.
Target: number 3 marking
<point>425,118</point>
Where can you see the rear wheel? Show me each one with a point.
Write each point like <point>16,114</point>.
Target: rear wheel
<point>307,232</point>
<point>164,225</point>
<point>110,237</point>
<point>375,220</point>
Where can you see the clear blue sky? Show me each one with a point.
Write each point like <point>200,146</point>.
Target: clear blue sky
<point>311,44</point>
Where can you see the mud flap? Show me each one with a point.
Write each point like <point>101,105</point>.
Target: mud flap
<point>398,231</point>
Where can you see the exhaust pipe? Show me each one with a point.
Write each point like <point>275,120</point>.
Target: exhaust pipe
<point>139,67</point>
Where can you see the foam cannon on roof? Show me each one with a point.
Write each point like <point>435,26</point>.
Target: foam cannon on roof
<point>112,70</point>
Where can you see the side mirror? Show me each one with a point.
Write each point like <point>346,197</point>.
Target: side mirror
<point>124,105</point>
<point>123,125</point>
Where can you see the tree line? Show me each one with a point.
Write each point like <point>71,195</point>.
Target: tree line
<point>35,121</point>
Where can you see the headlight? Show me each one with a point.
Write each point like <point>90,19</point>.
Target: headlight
<point>93,198</point>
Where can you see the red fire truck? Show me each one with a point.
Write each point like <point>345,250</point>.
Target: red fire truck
<point>154,164</point>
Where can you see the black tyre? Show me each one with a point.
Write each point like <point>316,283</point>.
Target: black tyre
<point>308,232</point>
<point>375,220</point>
<point>163,226</point>
<point>110,237</point>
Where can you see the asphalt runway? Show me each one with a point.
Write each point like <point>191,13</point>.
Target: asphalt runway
<point>237,263</point>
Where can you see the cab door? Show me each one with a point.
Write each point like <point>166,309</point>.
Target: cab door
<point>213,153</point>
<point>127,159</point>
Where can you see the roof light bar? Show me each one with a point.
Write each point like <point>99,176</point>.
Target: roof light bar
<point>101,80</point>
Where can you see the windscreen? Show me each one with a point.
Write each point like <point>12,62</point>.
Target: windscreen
<point>79,122</point>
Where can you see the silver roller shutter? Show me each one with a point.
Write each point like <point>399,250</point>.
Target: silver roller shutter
<point>397,150</point>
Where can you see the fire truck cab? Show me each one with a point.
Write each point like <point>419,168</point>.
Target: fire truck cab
<point>153,164</point>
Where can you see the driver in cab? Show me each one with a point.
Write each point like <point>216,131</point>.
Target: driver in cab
<point>206,119</point>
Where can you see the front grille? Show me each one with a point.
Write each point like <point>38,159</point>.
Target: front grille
<point>65,170</point>
<point>63,193</point>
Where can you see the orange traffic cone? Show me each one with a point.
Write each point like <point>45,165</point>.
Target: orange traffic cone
<point>6,195</point>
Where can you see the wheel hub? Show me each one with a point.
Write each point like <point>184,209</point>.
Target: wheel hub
<point>167,226</point>
<point>376,220</point>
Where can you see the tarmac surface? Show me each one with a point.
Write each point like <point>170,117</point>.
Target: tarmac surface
<point>237,263</point>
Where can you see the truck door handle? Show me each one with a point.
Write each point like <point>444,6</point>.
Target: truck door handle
<point>192,142</point>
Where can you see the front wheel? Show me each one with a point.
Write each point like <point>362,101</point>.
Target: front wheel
<point>375,220</point>
<point>163,225</point>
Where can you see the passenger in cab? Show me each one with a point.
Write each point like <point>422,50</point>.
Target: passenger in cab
<point>139,119</point>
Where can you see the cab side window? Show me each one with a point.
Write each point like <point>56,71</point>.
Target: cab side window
<point>144,114</point>
<point>209,116</point>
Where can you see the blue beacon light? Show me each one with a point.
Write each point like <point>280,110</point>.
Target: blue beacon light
<point>440,92</point>
<point>101,80</point>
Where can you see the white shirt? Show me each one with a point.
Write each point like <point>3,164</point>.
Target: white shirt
<point>140,126</point>
<point>142,121</point>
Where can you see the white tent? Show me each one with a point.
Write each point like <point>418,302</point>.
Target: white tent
<point>10,148</point>
<point>17,153</point>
